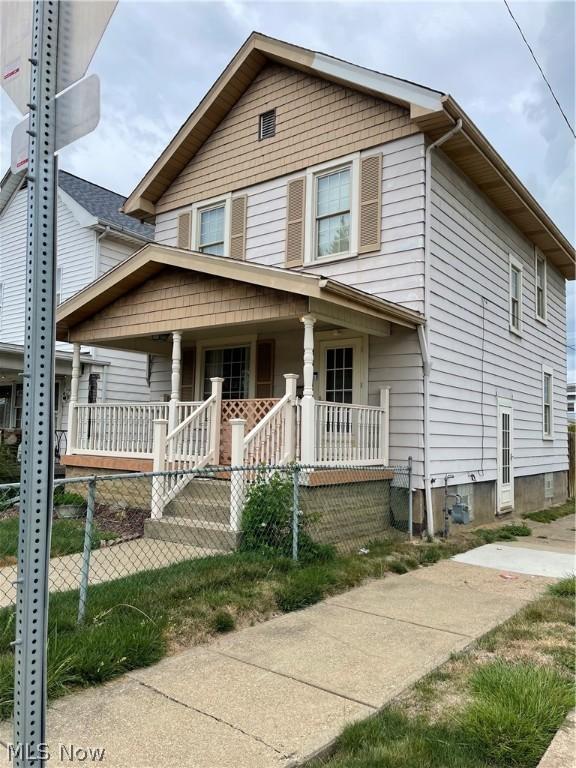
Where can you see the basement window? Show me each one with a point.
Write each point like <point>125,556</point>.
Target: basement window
<point>267,124</point>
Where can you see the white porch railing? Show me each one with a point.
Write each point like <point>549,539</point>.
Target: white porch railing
<point>193,444</point>
<point>351,434</point>
<point>118,429</point>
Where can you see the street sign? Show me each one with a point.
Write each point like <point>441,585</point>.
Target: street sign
<point>81,26</point>
<point>77,114</point>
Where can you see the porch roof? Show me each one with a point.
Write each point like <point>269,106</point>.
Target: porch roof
<point>86,315</point>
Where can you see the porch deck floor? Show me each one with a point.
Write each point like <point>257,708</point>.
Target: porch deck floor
<point>106,564</point>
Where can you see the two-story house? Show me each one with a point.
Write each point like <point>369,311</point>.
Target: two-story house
<point>357,231</point>
<point>93,235</point>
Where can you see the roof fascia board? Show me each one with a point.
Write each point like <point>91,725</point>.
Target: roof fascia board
<point>10,186</point>
<point>385,85</point>
<point>483,146</point>
<point>83,217</point>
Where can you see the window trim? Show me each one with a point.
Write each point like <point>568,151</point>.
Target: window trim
<point>515,264</point>
<point>224,342</point>
<point>539,257</point>
<point>547,371</point>
<point>203,205</point>
<point>359,342</point>
<point>58,283</point>
<point>312,174</point>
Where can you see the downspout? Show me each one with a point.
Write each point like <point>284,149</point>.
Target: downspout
<point>423,331</point>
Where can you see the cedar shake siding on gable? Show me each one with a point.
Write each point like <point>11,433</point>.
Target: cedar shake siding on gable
<point>178,299</point>
<point>316,121</point>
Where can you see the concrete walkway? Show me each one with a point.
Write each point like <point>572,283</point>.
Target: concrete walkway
<point>278,692</point>
<point>106,564</point>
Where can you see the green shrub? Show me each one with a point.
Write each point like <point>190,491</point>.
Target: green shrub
<point>564,588</point>
<point>267,521</point>
<point>67,497</point>
<point>515,712</point>
<point>9,466</point>
<point>397,566</point>
<point>223,621</point>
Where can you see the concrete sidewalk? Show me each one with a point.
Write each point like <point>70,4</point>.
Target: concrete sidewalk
<point>277,692</point>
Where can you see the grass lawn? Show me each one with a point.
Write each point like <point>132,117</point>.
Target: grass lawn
<point>496,705</point>
<point>551,514</point>
<point>135,621</point>
<point>67,538</point>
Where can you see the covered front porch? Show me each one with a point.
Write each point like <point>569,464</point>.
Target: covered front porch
<point>248,365</point>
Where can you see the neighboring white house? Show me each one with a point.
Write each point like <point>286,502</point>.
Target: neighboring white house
<point>317,218</point>
<point>93,236</point>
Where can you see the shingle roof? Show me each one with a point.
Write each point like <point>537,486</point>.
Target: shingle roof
<point>103,204</point>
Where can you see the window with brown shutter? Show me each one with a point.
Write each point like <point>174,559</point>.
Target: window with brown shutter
<point>295,216</point>
<point>370,214</point>
<point>238,228</point>
<point>265,368</point>
<point>184,229</point>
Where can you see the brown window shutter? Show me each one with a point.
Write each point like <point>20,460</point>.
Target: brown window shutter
<point>184,227</point>
<point>370,218</point>
<point>265,368</point>
<point>238,228</point>
<point>295,219</point>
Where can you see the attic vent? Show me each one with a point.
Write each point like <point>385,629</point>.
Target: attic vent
<point>267,125</point>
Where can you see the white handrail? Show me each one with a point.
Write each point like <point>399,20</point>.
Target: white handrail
<point>270,441</point>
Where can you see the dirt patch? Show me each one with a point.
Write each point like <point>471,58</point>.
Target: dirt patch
<point>126,522</point>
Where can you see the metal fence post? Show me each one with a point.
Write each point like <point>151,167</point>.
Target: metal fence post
<point>85,574</point>
<point>410,500</point>
<point>295,510</point>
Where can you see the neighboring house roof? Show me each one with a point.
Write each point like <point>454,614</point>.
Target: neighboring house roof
<point>433,112</point>
<point>153,258</point>
<point>101,203</point>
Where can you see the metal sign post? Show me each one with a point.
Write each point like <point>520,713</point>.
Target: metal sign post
<point>37,469</point>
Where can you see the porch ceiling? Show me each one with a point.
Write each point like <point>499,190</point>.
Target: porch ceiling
<point>163,289</point>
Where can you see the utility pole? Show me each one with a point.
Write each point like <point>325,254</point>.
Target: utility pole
<point>37,470</point>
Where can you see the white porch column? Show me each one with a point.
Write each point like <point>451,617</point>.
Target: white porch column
<point>308,426</point>
<point>176,379</point>
<point>289,418</point>
<point>238,427</point>
<point>158,465</point>
<point>216,418</point>
<point>72,410</point>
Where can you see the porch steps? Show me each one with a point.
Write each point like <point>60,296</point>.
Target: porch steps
<point>199,516</point>
<point>215,537</point>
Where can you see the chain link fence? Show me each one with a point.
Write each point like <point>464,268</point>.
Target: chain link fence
<point>112,526</point>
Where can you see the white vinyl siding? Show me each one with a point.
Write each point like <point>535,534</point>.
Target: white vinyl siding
<point>394,272</point>
<point>59,296</point>
<point>475,357</point>
<point>80,260</point>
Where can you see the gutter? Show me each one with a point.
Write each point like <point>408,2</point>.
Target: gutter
<point>424,332</point>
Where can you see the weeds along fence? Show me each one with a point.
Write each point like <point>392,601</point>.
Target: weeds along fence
<point>123,526</point>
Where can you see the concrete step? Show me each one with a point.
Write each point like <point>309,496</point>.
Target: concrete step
<point>207,490</point>
<point>191,509</point>
<point>215,537</point>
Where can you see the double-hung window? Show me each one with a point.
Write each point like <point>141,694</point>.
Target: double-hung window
<point>332,214</point>
<point>541,298</point>
<point>547,403</point>
<point>211,229</point>
<point>515,295</point>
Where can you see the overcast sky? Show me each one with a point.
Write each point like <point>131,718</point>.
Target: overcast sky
<point>157,59</point>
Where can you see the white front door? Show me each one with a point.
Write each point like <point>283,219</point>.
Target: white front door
<point>505,462</point>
